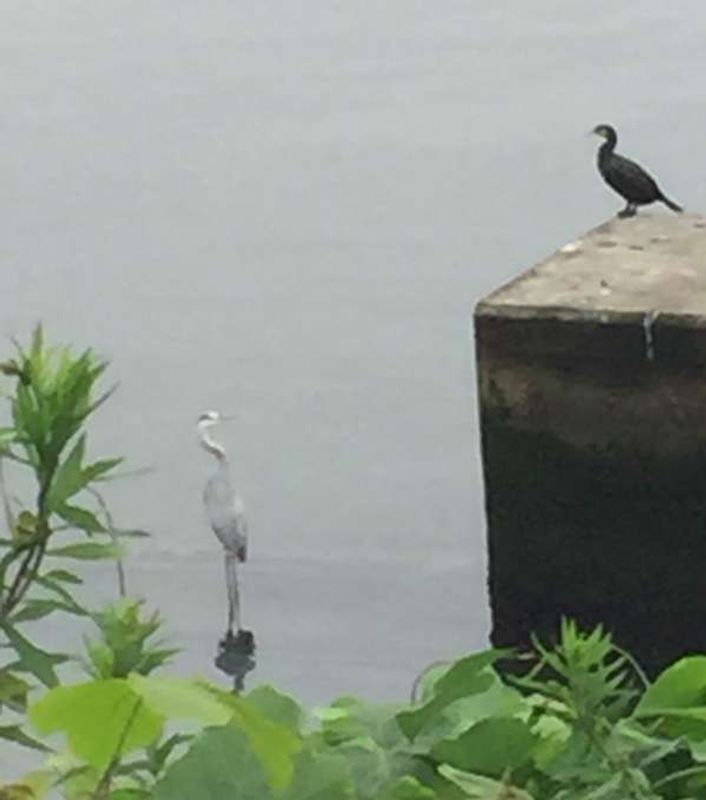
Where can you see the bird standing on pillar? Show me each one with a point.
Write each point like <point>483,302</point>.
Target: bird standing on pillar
<point>626,177</point>
<point>226,514</point>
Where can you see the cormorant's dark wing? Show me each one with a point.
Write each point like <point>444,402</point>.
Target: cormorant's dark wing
<point>631,181</point>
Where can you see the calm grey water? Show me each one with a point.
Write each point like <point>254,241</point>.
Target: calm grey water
<point>286,210</point>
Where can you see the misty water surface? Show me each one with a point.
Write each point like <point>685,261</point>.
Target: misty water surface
<point>286,210</point>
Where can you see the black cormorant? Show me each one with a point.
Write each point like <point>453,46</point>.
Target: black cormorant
<point>627,178</point>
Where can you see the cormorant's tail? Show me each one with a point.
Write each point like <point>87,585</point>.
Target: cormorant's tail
<point>671,204</point>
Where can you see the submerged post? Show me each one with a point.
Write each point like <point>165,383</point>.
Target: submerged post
<point>592,386</point>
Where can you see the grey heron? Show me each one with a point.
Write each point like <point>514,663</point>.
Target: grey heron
<point>226,513</point>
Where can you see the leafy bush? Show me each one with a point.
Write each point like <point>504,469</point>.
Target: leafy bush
<point>580,721</point>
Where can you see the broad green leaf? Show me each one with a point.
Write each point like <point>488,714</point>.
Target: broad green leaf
<point>682,685</point>
<point>478,787</point>
<point>99,718</point>
<point>275,745</point>
<point>498,700</point>
<point>32,659</point>
<point>320,776</point>
<point>13,733</point>
<point>86,551</point>
<point>176,698</point>
<point>277,707</point>
<point>80,518</point>
<point>491,747</point>
<point>220,765</point>
<point>469,676</point>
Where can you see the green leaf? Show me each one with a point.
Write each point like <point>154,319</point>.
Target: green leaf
<point>98,718</point>
<point>99,468</point>
<point>478,787</point>
<point>34,609</point>
<point>64,576</point>
<point>80,518</point>
<point>277,707</point>
<point>320,776</point>
<point>86,551</point>
<point>220,764</point>
<point>176,698</point>
<point>273,744</point>
<point>469,676</point>
<point>68,478</point>
<point>12,688</point>
<point>65,595</point>
<point>682,685</point>
<point>491,747</point>
<point>33,660</point>
<point>13,733</point>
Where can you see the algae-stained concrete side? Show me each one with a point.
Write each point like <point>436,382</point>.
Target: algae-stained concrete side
<point>592,385</point>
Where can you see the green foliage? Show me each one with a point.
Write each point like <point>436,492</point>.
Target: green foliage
<point>51,394</point>
<point>123,645</point>
<point>580,723</point>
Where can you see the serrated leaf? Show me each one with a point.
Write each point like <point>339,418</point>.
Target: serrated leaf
<point>63,575</point>
<point>87,551</point>
<point>32,659</point>
<point>99,719</point>
<point>68,478</point>
<point>13,733</point>
<point>99,468</point>
<point>80,518</point>
<point>34,609</point>
<point>12,688</point>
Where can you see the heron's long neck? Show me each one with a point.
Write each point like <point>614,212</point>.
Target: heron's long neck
<point>211,445</point>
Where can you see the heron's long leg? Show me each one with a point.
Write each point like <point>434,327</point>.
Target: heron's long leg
<point>232,587</point>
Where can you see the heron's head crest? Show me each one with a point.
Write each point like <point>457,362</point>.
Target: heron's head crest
<point>210,416</point>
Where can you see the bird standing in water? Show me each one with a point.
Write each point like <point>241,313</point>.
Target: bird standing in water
<point>628,179</point>
<point>226,514</point>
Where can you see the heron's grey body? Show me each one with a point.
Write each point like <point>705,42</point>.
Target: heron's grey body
<point>226,514</point>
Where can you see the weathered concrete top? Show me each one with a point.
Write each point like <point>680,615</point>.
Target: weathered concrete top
<point>625,267</point>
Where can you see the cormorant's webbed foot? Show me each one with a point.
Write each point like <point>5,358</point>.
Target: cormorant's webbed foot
<point>629,211</point>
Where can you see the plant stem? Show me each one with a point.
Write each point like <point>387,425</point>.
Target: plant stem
<point>102,790</point>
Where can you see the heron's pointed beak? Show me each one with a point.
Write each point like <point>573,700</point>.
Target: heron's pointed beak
<point>228,417</point>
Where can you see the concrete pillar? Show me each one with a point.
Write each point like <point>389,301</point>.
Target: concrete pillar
<point>592,386</point>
